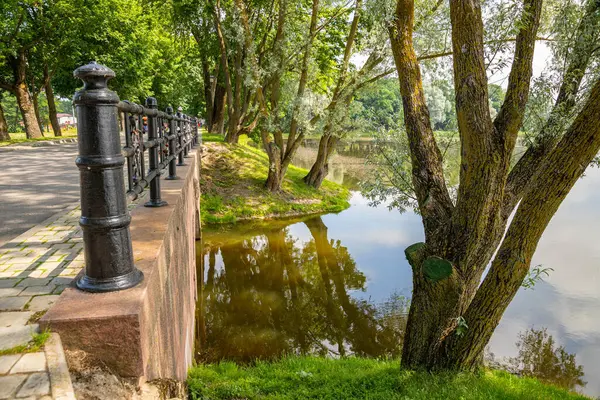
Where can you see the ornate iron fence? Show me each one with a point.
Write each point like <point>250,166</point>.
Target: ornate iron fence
<point>163,139</point>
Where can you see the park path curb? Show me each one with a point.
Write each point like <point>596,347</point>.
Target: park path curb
<point>60,381</point>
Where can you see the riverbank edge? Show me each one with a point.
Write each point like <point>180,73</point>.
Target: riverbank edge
<point>297,377</point>
<point>232,187</point>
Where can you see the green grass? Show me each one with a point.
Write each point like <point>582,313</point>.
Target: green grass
<point>357,378</point>
<point>20,137</point>
<point>34,345</point>
<point>232,187</point>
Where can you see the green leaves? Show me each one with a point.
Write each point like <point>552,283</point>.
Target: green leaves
<point>461,326</point>
<point>436,268</point>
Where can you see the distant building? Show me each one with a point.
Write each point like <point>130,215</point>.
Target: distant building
<point>66,119</point>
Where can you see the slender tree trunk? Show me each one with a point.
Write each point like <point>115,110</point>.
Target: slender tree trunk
<point>35,96</point>
<point>208,93</point>
<point>4,136</point>
<point>276,168</point>
<point>51,104</point>
<point>218,116</point>
<point>320,168</point>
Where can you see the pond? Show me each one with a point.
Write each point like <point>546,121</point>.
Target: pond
<point>338,284</point>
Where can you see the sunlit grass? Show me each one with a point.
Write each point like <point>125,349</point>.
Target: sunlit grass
<point>233,188</point>
<point>358,378</point>
<point>21,137</point>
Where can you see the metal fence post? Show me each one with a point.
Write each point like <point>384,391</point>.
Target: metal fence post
<point>186,135</point>
<point>195,131</point>
<point>155,200</point>
<point>104,216</point>
<point>180,127</point>
<point>172,145</point>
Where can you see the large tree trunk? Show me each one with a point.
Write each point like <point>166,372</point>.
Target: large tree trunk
<point>32,127</point>
<point>320,168</point>
<point>460,238</point>
<point>4,136</point>
<point>51,104</point>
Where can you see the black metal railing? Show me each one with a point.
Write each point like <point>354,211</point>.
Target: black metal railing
<point>154,142</point>
<point>165,135</point>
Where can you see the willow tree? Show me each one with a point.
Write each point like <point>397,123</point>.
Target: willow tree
<point>453,311</point>
<point>366,37</point>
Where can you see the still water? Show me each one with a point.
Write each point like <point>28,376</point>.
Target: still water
<point>338,284</point>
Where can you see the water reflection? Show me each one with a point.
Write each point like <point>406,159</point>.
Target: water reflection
<point>267,294</point>
<point>374,238</point>
<point>540,357</point>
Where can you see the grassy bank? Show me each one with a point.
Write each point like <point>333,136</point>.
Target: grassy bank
<point>232,186</point>
<point>357,378</point>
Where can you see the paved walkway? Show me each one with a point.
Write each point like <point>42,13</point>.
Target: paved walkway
<point>35,268</point>
<point>36,183</point>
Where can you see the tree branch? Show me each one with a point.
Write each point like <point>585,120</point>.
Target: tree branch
<point>522,173</point>
<point>427,170</point>
<point>510,117</point>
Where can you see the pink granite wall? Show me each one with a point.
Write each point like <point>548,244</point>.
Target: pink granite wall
<point>146,331</point>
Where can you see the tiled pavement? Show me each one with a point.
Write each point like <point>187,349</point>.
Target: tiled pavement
<point>35,268</point>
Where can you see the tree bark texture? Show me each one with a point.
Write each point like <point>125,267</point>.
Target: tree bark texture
<point>452,314</point>
<point>26,106</point>
<point>18,87</point>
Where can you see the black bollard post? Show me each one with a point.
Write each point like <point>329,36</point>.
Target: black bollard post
<point>172,147</point>
<point>155,200</point>
<point>104,216</point>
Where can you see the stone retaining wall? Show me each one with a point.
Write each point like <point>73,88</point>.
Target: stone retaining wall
<point>147,331</point>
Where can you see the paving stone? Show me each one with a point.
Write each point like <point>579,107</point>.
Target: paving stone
<point>41,273</point>
<point>34,282</point>
<point>16,335</point>
<point>6,362</point>
<point>38,290</point>
<point>9,385</point>
<point>22,260</point>
<point>38,384</point>
<point>61,280</point>
<point>14,318</point>
<point>7,292</point>
<point>62,246</point>
<point>59,289</point>
<point>71,272</point>
<point>13,303</point>
<point>30,362</point>
<point>7,283</point>
<point>40,303</point>
<point>50,259</point>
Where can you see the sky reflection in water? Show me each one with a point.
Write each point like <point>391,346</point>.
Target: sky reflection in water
<point>312,306</point>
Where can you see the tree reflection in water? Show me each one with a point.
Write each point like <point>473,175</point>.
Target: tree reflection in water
<point>541,358</point>
<point>272,296</point>
<point>265,294</point>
